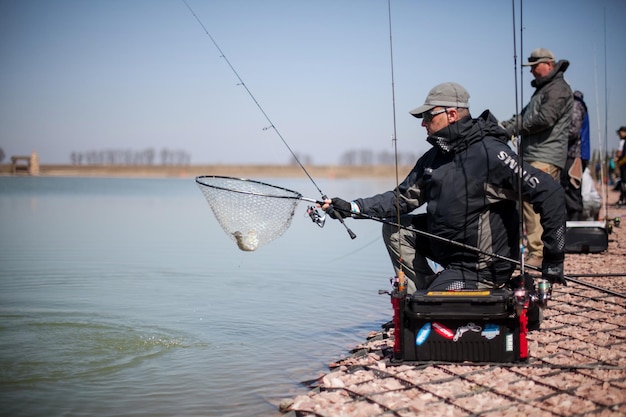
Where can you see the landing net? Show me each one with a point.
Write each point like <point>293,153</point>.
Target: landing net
<point>252,213</point>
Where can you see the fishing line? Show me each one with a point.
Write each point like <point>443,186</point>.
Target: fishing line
<point>243,84</point>
<point>358,250</point>
<point>271,124</point>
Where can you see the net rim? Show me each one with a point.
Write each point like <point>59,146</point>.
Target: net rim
<point>296,195</point>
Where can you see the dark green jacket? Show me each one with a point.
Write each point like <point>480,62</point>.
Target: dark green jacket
<point>545,121</point>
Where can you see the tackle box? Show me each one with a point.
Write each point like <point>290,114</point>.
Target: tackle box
<point>466,325</point>
<point>586,237</point>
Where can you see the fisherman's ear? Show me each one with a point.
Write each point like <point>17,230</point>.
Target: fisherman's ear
<point>452,114</point>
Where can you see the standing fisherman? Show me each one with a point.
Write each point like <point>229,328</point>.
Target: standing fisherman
<point>544,128</point>
<point>621,163</point>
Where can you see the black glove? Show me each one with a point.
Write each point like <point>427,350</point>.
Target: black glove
<point>339,208</point>
<point>510,130</point>
<point>552,270</point>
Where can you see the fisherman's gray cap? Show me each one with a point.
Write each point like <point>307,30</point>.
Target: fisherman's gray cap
<point>447,94</point>
<point>539,55</point>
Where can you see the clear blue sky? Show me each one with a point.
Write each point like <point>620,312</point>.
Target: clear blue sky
<point>82,75</point>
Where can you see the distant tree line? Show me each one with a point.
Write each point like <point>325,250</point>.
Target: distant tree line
<point>303,159</point>
<point>147,156</point>
<point>363,157</point>
<point>369,157</point>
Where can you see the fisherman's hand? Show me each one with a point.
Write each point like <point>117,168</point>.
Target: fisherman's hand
<point>510,130</point>
<point>337,208</point>
<point>552,270</point>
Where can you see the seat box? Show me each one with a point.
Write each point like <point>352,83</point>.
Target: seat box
<point>586,237</point>
<point>458,326</point>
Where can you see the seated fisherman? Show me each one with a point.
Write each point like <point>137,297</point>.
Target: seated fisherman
<point>469,180</point>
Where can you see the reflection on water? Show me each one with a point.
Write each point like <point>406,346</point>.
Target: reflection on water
<point>124,296</point>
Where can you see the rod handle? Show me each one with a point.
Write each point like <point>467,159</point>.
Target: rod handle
<point>330,210</point>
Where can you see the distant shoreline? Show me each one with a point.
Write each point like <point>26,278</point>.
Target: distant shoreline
<point>239,171</point>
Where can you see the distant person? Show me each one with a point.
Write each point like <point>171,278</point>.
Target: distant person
<point>543,125</point>
<point>469,179</point>
<point>585,135</point>
<point>572,174</point>
<point>620,156</point>
<point>592,202</point>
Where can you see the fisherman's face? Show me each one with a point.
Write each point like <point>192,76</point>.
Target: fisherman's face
<point>541,69</point>
<point>437,119</point>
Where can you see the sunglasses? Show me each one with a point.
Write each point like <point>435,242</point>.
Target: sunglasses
<point>428,117</point>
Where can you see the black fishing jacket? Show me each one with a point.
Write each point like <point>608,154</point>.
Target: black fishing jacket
<point>470,181</point>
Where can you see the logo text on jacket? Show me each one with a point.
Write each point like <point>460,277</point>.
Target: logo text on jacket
<point>511,162</point>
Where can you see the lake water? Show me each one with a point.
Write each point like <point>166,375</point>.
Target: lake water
<point>124,297</point>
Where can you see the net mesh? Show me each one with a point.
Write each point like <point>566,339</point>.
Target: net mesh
<point>252,213</point>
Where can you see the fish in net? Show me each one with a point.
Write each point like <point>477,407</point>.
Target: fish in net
<point>251,212</point>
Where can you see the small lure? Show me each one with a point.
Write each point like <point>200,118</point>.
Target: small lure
<point>423,334</point>
<point>443,331</point>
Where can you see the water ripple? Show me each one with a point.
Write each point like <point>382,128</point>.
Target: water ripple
<point>51,346</point>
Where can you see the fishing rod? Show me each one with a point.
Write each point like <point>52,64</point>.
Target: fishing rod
<point>521,51</point>
<point>605,157</point>
<point>254,213</point>
<point>216,188</point>
<point>608,275</point>
<point>400,273</point>
<point>520,158</point>
<point>606,115</point>
<point>571,278</point>
<point>315,216</point>
<point>595,287</point>
<point>603,151</point>
<point>399,286</point>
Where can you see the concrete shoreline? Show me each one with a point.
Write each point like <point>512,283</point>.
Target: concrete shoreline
<point>576,364</point>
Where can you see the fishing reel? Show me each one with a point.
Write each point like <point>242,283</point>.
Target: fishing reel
<point>526,295</point>
<point>610,223</point>
<point>317,215</point>
<point>398,286</point>
<point>525,298</point>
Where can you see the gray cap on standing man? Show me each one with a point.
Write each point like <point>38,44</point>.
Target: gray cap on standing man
<point>539,55</point>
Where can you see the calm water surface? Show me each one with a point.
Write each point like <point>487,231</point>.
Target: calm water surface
<point>125,297</point>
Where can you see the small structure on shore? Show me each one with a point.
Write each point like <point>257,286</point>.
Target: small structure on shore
<point>30,164</point>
